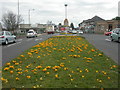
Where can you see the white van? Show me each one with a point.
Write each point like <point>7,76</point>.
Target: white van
<point>31,33</point>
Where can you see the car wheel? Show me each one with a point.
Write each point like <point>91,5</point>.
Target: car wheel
<point>119,40</point>
<point>6,41</point>
<point>111,38</point>
<point>14,40</point>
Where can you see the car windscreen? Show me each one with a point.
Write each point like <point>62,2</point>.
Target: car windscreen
<point>1,33</point>
<point>118,29</point>
<point>30,31</point>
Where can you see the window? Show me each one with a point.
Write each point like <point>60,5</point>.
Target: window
<point>116,30</point>
<point>1,33</point>
<point>8,33</point>
<point>30,31</point>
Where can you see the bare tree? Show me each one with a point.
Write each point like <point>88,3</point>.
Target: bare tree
<point>11,21</point>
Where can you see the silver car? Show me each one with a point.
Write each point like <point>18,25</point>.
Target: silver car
<point>6,37</point>
<point>115,35</point>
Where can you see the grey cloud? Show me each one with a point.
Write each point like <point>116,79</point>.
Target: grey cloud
<point>54,9</point>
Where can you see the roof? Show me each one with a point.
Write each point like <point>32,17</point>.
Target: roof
<point>94,19</point>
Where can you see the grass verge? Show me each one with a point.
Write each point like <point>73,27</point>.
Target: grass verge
<point>61,62</point>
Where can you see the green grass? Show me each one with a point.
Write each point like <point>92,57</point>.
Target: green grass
<point>64,33</point>
<point>70,62</point>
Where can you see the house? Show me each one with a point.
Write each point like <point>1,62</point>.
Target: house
<point>108,25</point>
<point>89,25</point>
<point>99,25</point>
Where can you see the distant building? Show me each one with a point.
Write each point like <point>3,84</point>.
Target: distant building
<point>89,25</point>
<point>98,25</point>
<point>107,25</point>
<point>66,23</point>
<point>39,28</point>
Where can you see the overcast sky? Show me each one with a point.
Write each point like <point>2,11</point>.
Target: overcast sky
<point>54,10</point>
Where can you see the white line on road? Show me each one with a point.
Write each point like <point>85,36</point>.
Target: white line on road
<point>108,40</point>
<point>19,40</point>
<point>30,39</point>
<point>38,39</point>
<point>12,45</point>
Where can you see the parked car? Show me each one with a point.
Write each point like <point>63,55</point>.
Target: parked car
<point>74,32</point>
<point>115,35</point>
<point>69,31</point>
<point>6,37</point>
<point>79,31</point>
<point>31,33</point>
<point>108,33</point>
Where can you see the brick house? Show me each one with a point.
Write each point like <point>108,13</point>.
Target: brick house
<point>108,25</point>
<point>90,24</point>
<point>99,25</point>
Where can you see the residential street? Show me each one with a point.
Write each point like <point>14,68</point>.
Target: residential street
<point>104,44</point>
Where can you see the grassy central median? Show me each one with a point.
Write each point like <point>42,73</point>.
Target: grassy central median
<point>61,62</point>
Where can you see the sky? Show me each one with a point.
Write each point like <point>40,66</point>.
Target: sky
<point>54,10</point>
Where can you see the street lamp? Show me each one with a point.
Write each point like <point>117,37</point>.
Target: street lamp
<point>29,14</point>
<point>66,11</point>
<point>66,20</point>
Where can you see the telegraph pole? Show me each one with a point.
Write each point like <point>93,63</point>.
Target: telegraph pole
<point>29,15</point>
<point>18,14</point>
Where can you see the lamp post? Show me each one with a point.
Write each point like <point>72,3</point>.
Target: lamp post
<point>66,11</point>
<point>18,7</point>
<point>66,20</point>
<point>29,15</point>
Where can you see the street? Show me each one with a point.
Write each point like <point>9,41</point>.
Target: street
<point>101,42</point>
<point>104,44</point>
<point>13,50</point>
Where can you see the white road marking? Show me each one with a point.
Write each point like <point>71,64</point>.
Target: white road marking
<point>108,40</point>
<point>19,40</point>
<point>30,39</point>
<point>12,45</point>
<point>38,39</point>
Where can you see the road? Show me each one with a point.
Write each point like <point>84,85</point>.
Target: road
<point>13,50</point>
<point>104,44</point>
<point>101,42</point>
